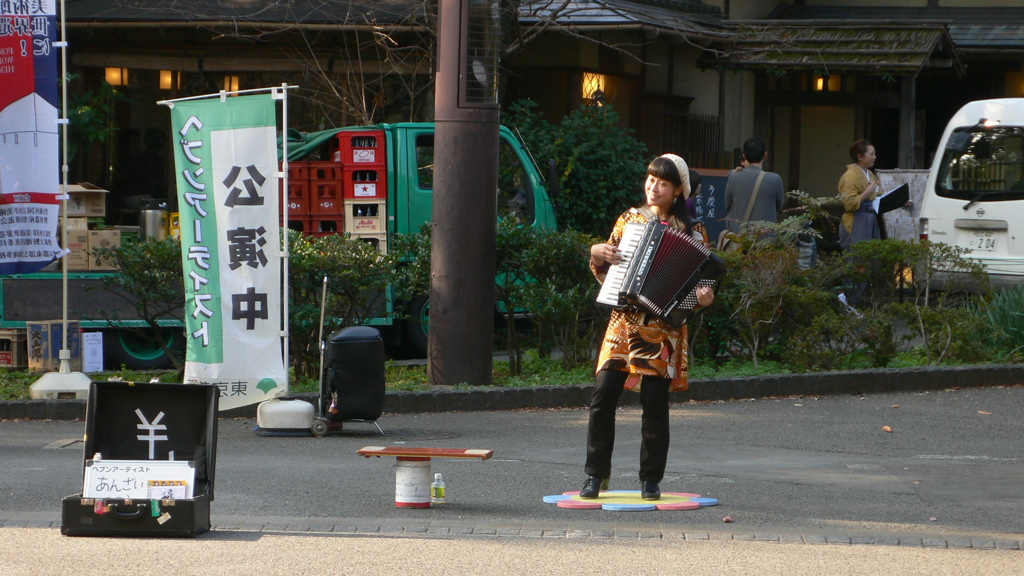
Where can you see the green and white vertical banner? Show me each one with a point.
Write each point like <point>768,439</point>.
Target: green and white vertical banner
<point>225,155</point>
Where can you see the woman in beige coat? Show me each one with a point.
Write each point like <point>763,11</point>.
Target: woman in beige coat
<point>858,187</point>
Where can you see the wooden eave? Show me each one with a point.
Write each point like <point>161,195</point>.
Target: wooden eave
<point>835,47</point>
<point>689,18</point>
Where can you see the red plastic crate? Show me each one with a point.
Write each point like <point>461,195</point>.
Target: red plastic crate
<point>323,226</point>
<point>298,170</point>
<point>298,225</point>
<point>299,203</point>
<point>326,197</point>
<point>362,148</point>
<point>325,171</point>
<point>365,183</point>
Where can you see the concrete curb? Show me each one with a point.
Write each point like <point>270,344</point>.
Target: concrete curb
<point>603,531</point>
<point>575,396</point>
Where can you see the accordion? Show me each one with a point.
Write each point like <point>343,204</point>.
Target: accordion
<point>660,272</point>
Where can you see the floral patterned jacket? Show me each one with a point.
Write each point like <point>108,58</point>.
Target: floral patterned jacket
<point>638,343</point>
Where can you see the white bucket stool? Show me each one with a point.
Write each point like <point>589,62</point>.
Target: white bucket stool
<point>412,482</point>
<point>412,469</point>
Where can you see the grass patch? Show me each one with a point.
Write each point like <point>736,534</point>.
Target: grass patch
<point>14,384</point>
<point>398,377</point>
<point>736,368</point>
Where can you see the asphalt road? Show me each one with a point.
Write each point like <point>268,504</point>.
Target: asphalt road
<point>790,470</point>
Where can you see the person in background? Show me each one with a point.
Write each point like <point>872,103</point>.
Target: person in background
<point>769,197</point>
<point>858,187</point>
<point>640,352</point>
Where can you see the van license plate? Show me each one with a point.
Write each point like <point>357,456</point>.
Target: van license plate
<point>983,241</point>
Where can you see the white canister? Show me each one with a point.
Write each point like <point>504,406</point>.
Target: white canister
<point>412,482</point>
<point>285,415</point>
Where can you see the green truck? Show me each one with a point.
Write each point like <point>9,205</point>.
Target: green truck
<point>377,181</point>
<point>32,298</point>
<point>370,181</point>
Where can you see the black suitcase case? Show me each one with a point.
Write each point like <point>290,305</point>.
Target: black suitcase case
<point>134,422</point>
<point>356,383</point>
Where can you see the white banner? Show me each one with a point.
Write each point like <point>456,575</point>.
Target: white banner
<point>226,159</point>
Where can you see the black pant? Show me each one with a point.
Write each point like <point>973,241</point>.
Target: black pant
<point>654,428</point>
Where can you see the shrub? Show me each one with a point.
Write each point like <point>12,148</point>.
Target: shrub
<point>561,295</point>
<point>881,338</point>
<point>601,165</point>
<point>749,304</point>
<point>151,281</point>
<point>412,255</point>
<point>828,342</point>
<point>1006,311</point>
<point>950,335</point>
<point>357,279</point>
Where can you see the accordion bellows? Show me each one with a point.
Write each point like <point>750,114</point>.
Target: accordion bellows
<point>660,272</point>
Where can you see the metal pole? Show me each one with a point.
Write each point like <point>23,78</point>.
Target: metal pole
<point>321,345</point>
<point>65,353</point>
<point>285,254</point>
<point>223,94</point>
<point>63,383</point>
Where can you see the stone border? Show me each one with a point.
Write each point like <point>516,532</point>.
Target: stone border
<point>576,396</point>
<point>327,527</point>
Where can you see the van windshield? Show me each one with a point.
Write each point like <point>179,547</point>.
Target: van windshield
<point>983,164</point>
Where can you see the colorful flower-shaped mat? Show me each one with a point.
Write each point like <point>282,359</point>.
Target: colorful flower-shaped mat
<point>630,501</point>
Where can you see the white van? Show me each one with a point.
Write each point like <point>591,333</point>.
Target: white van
<point>975,193</point>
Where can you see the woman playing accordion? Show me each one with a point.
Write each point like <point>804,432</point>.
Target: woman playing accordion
<point>641,352</point>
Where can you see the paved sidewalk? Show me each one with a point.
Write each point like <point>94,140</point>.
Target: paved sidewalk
<point>35,552</point>
<point>599,531</point>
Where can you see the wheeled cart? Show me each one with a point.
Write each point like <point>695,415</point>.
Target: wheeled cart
<point>149,460</point>
<point>352,386</point>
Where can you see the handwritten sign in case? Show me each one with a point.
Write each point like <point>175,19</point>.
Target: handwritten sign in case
<point>137,478</point>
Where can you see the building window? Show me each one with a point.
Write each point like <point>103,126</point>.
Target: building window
<point>116,76</point>
<point>170,80</point>
<point>593,89</point>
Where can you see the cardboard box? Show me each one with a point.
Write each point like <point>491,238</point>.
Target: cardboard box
<point>78,244</point>
<point>45,340</point>
<point>78,224</point>
<point>13,351</point>
<point>102,239</point>
<point>86,200</point>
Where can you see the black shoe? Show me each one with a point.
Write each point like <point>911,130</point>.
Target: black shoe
<point>650,490</point>
<point>592,487</point>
